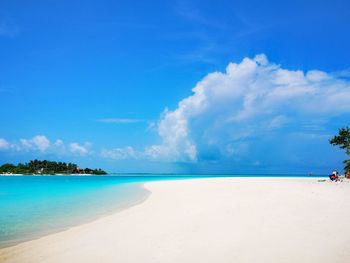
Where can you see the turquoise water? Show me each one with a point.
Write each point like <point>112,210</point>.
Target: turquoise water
<point>31,206</point>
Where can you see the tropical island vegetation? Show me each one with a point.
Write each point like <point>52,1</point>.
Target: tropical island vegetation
<point>343,141</point>
<point>47,167</point>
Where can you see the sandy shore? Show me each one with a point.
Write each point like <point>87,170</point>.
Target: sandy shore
<point>211,220</point>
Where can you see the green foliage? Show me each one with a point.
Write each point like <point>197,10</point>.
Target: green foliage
<point>47,167</point>
<point>343,141</point>
<point>347,165</point>
<point>6,168</point>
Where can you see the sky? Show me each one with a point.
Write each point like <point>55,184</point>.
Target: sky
<point>175,86</point>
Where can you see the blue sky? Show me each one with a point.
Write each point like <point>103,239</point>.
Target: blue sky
<point>175,86</point>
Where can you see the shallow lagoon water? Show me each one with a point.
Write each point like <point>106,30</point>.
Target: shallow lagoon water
<point>32,206</point>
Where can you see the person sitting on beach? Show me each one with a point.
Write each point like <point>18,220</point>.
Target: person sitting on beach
<point>347,174</point>
<point>334,176</point>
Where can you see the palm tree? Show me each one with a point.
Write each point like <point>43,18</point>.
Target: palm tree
<point>343,141</point>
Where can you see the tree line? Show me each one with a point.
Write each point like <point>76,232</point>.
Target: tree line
<point>47,167</point>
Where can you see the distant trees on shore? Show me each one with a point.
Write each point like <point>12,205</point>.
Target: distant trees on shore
<point>47,167</point>
<point>343,141</point>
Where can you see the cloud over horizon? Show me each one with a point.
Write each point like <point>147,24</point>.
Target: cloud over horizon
<point>41,144</point>
<point>251,99</point>
<point>256,112</point>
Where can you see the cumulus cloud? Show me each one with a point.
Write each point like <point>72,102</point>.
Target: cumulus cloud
<point>42,144</point>
<point>234,115</point>
<point>4,144</point>
<point>76,148</point>
<point>249,99</point>
<point>39,142</point>
<point>58,143</point>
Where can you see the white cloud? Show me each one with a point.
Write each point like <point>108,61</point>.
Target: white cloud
<point>38,142</point>
<point>4,145</point>
<point>25,144</point>
<point>226,112</point>
<point>247,99</point>
<point>277,122</point>
<point>41,142</point>
<point>120,153</point>
<point>79,149</point>
<point>58,143</point>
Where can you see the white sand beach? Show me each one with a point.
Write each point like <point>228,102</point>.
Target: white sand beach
<point>211,220</point>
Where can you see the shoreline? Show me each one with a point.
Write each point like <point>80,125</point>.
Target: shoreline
<point>9,175</point>
<point>141,197</point>
<point>202,206</point>
<point>125,205</point>
<point>179,175</point>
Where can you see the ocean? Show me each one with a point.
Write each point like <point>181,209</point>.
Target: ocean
<point>32,206</point>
